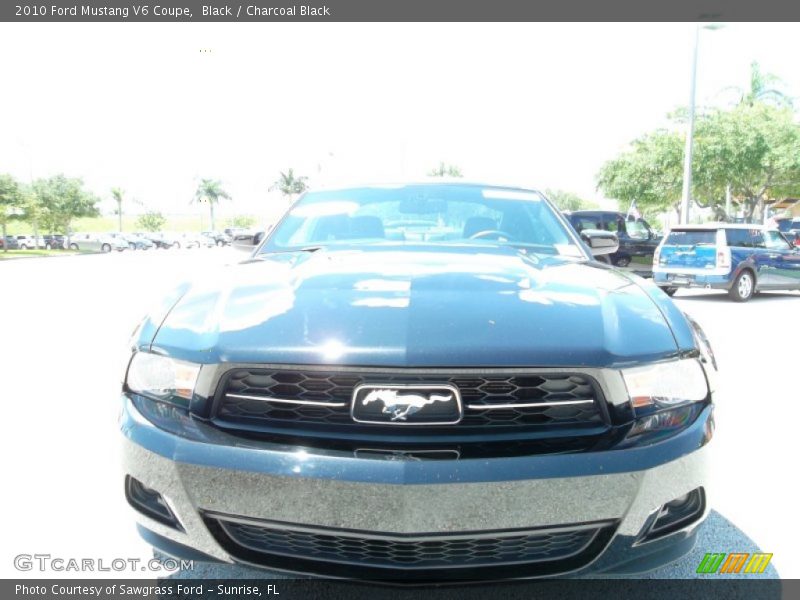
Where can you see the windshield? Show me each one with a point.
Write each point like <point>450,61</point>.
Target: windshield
<point>424,213</point>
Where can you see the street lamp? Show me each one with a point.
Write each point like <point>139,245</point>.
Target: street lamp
<point>686,196</point>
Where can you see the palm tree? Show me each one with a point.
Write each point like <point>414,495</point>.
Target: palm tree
<point>118,195</point>
<point>289,184</point>
<point>764,87</point>
<point>210,190</point>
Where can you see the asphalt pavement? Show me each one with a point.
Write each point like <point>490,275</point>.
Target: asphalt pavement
<point>64,326</point>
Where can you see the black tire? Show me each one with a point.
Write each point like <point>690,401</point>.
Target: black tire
<point>73,246</point>
<point>743,287</point>
<point>106,247</point>
<point>177,245</point>
<point>48,246</point>
<point>24,246</point>
<point>669,291</point>
<point>220,243</point>
<point>623,261</point>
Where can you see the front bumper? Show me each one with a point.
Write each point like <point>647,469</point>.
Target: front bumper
<point>202,473</point>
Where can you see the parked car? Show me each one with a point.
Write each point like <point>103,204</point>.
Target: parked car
<point>232,232</point>
<point>9,242</point>
<point>54,241</point>
<point>790,228</point>
<point>220,238</point>
<point>740,258</point>
<point>789,225</point>
<point>162,240</point>
<point>96,241</point>
<point>493,404</point>
<point>134,242</point>
<point>27,242</point>
<point>637,240</point>
<point>205,241</point>
<point>194,240</point>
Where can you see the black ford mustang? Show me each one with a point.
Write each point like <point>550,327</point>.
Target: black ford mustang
<point>428,381</point>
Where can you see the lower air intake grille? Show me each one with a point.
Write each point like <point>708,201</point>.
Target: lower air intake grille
<point>403,552</point>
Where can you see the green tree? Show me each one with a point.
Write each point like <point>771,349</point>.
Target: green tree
<point>649,173</point>
<point>567,200</point>
<point>151,221</point>
<point>10,203</point>
<point>243,221</point>
<point>754,148</point>
<point>210,191</point>
<point>445,170</point>
<point>62,200</point>
<point>119,195</point>
<point>290,184</point>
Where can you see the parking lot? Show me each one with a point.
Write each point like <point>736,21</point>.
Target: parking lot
<point>64,324</point>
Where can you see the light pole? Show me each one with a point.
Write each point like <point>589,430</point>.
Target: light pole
<point>686,195</point>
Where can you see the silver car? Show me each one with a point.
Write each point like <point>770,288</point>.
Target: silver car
<point>96,241</point>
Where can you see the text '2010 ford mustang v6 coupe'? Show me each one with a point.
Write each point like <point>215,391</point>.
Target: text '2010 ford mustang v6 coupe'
<point>421,382</point>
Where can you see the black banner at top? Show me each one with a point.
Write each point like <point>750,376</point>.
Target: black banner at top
<point>399,10</point>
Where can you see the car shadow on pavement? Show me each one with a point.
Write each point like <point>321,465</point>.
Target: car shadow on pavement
<point>679,579</point>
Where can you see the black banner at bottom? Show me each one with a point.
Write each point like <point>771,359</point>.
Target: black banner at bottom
<point>324,589</point>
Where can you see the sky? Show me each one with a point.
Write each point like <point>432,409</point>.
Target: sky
<point>152,108</point>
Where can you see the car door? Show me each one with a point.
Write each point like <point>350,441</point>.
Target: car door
<point>784,261</point>
<point>614,223</point>
<point>642,245</point>
<point>763,260</point>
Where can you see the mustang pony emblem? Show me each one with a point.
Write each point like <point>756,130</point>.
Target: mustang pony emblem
<point>400,406</point>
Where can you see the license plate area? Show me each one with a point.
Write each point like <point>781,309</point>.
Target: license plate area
<point>681,279</point>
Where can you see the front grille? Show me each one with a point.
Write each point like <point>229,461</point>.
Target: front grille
<point>317,397</point>
<point>258,541</point>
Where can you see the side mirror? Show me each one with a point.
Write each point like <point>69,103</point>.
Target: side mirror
<point>600,242</point>
<point>246,242</point>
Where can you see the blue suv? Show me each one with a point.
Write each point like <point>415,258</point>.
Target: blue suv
<point>740,258</point>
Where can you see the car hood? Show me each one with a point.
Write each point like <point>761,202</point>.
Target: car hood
<point>453,307</point>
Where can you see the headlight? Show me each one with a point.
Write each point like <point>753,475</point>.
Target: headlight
<point>162,378</point>
<point>665,396</point>
<point>665,385</point>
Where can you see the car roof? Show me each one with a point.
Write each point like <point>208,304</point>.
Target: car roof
<point>441,181</point>
<point>594,211</point>
<point>702,226</point>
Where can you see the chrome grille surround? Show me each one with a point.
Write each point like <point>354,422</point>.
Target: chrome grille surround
<point>303,396</point>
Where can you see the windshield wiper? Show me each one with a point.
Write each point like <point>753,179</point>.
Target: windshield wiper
<point>266,255</point>
<point>289,251</point>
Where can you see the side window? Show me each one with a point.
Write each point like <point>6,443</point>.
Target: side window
<point>775,241</point>
<point>738,238</point>
<point>587,223</point>
<point>757,238</point>
<point>613,224</point>
<point>638,230</point>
